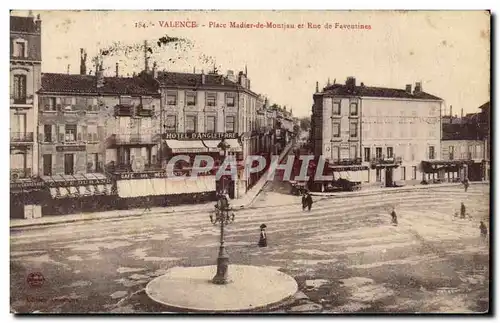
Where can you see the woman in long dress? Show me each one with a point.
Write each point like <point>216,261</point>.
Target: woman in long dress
<point>263,236</point>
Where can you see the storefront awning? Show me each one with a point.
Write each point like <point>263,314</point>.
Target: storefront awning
<point>165,186</point>
<point>71,186</point>
<point>186,146</point>
<point>234,145</point>
<point>351,176</point>
<point>212,145</point>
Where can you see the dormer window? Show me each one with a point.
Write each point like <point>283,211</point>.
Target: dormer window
<point>20,48</point>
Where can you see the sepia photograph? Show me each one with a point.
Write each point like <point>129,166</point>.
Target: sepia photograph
<point>260,161</point>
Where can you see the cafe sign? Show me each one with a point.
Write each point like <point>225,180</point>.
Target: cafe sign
<point>200,136</point>
<point>148,175</point>
<point>26,185</point>
<point>70,148</point>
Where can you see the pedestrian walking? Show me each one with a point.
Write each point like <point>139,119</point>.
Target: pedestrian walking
<point>462,211</point>
<point>394,217</point>
<point>263,236</point>
<point>304,199</point>
<point>466,184</point>
<point>484,230</point>
<point>148,204</point>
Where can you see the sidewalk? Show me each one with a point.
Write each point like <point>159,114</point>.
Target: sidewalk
<point>378,190</point>
<point>240,203</point>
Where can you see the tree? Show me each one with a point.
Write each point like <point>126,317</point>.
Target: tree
<point>305,123</point>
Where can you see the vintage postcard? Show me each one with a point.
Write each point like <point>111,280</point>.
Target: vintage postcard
<point>292,162</point>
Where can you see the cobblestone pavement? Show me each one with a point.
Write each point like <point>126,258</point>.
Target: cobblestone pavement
<point>345,254</point>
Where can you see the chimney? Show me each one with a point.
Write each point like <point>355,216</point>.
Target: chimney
<point>67,71</point>
<point>202,77</point>
<point>350,83</point>
<point>38,23</point>
<point>116,70</point>
<point>248,84</point>
<point>418,87</point>
<point>194,70</point>
<point>83,61</point>
<point>317,87</point>
<point>462,113</point>
<point>451,111</point>
<point>408,88</point>
<point>99,77</point>
<point>146,64</point>
<point>222,79</point>
<point>30,14</point>
<point>155,70</point>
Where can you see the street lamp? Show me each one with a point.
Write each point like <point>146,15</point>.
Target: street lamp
<point>223,217</point>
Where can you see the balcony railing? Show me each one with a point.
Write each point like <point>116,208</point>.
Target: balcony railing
<point>132,138</point>
<point>346,161</point>
<point>21,137</point>
<point>124,110</point>
<point>18,173</point>
<point>383,160</point>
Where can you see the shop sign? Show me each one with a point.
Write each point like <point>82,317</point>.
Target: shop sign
<point>70,148</point>
<point>200,136</point>
<point>147,175</point>
<point>26,185</point>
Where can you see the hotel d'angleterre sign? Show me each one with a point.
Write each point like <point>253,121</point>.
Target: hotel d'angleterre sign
<point>200,136</point>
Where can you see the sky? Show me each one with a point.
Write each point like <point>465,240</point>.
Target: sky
<point>448,51</point>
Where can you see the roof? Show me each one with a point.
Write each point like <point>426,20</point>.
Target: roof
<point>191,79</point>
<point>87,84</point>
<point>461,132</point>
<point>23,24</point>
<point>381,92</point>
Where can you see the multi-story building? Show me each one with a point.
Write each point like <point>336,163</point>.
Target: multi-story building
<point>25,71</point>
<point>209,107</point>
<point>377,135</point>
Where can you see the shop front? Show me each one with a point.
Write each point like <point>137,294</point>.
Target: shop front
<point>349,177</point>
<point>26,198</point>
<point>439,171</point>
<point>79,193</point>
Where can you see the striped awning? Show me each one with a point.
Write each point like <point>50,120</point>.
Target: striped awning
<point>165,186</point>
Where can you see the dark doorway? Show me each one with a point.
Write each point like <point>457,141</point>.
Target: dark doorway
<point>69,164</point>
<point>47,165</point>
<point>388,177</point>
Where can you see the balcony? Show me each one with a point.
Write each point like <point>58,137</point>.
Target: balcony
<point>19,173</point>
<point>124,110</point>
<point>132,139</point>
<point>381,161</point>
<point>22,101</point>
<point>21,137</point>
<point>345,162</point>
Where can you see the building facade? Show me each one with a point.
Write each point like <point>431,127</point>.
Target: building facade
<point>383,134</point>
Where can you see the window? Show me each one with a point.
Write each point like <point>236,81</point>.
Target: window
<point>353,154</point>
<point>230,99</point>
<point>230,124</point>
<point>378,152</point>
<point>367,154</point>
<point>93,163</point>
<point>125,100</point>
<point>336,153</point>
<point>68,164</point>
<point>210,124</point>
<point>20,89</point>
<point>451,151</point>
<point>172,98</point>
<point>353,109</point>
<point>470,152</point>
<point>190,124</point>
<point>19,48</point>
<point>70,132</point>
<point>190,98</point>
<point>170,124</point>
<point>48,103</point>
<point>336,130</point>
<point>47,130</point>
<point>336,109</point>
<point>390,152</point>
<point>353,130</point>
<point>479,152</point>
<point>146,103</point>
<point>211,99</point>
<point>403,173</point>
<point>414,172</point>
<point>378,175</point>
<point>47,165</point>
<point>431,152</point>
<point>91,133</point>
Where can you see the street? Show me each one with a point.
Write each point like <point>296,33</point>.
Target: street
<point>345,254</point>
